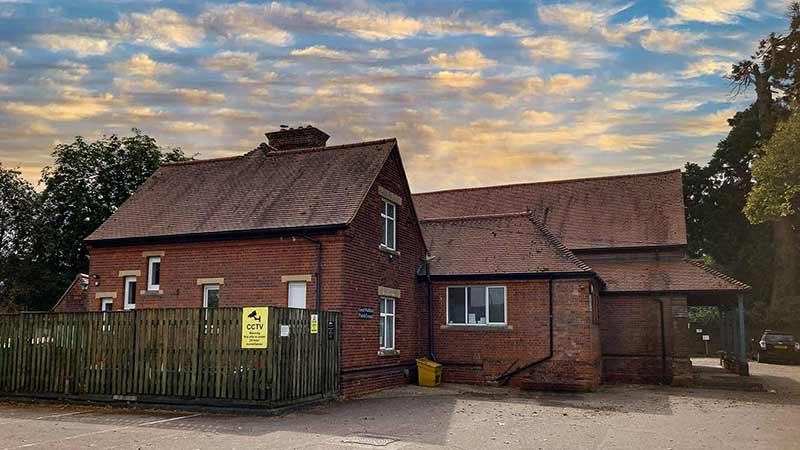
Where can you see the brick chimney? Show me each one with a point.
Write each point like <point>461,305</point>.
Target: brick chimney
<point>293,138</point>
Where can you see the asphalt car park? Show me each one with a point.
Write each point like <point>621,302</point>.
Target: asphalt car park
<point>453,416</point>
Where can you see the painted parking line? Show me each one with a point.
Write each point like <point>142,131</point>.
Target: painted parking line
<point>110,430</point>
<point>53,416</point>
<point>49,416</point>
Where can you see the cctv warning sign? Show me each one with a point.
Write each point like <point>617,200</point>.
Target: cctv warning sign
<point>254,327</point>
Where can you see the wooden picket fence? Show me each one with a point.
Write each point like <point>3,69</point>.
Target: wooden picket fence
<point>180,355</point>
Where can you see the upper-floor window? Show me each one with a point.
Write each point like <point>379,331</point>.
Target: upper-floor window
<point>388,221</point>
<point>153,273</point>
<point>476,305</point>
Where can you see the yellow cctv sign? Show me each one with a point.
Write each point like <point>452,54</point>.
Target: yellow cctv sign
<point>254,327</point>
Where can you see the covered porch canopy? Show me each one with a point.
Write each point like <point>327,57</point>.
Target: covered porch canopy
<point>733,339</point>
<point>702,286</point>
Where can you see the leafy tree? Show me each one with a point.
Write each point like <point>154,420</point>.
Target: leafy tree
<point>88,182</point>
<point>774,72</point>
<point>17,213</point>
<point>42,233</point>
<point>715,195</point>
<point>18,205</point>
<point>777,192</point>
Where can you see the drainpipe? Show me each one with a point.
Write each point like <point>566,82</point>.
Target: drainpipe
<point>426,264</point>
<point>318,288</point>
<point>503,379</point>
<point>430,311</point>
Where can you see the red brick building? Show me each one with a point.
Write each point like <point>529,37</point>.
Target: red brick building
<point>548,285</point>
<point>74,298</point>
<point>630,231</point>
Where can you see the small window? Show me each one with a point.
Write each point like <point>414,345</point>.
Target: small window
<point>297,294</point>
<point>210,296</point>
<point>387,324</point>
<point>130,292</point>
<point>388,228</point>
<point>106,305</point>
<point>476,305</point>
<point>591,296</point>
<point>153,273</point>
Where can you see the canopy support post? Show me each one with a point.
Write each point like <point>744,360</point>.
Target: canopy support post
<point>741,353</point>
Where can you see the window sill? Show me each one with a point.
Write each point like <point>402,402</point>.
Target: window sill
<point>152,293</point>
<point>477,327</point>
<point>388,353</point>
<point>386,249</point>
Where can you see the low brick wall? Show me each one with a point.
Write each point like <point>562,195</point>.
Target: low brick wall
<point>480,354</point>
<point>356,383</point>
<point>631,340</point>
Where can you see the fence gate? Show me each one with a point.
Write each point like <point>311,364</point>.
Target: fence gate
<point>183,355</point>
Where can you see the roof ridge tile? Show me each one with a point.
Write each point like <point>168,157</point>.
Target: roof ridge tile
<point>569,180</point>
<point>476,217</point>
<point>331,147</point>
<point>202,161</point>
<point>256,151</point>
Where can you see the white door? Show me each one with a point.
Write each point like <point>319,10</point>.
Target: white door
<point>297,294</point>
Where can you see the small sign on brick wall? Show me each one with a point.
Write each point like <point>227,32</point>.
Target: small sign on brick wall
<point>365,312</point>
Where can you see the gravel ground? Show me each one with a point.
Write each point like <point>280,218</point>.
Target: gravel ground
<point>453,416</point>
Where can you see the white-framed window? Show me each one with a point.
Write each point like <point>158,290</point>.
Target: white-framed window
<point>591,296</point>
<point>387,323</point>
<point>210,296</point>
<point>476,305</point>
<point>297,294</point>
<point>130,293</point>
<point>153,273</point>
<point>106,305</point>
<point>388,224</point>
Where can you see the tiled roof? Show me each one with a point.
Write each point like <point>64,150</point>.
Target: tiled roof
<point>258,191</point>
<point>620,211</point>
<point>663,275</point>
<point>495,244</point>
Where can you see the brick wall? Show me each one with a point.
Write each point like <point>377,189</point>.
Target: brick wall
<point>631,339</point>
<point>479,354</point>
<point>251,269</point>
<point>74,299</point>
<point>353,270</point>
<point>368,267</point>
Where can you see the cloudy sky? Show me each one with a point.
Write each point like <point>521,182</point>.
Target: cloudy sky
<point>477,92</point>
